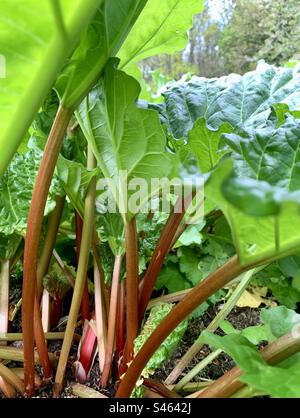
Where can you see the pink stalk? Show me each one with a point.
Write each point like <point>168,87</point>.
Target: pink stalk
<point>112,321</point>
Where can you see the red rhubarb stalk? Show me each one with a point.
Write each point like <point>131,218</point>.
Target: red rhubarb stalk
<point>131,245</point>
<point>33,235</point>
<point>162,248</point>
<point>120,332</point>
<point>112,321</point>
<point>87,233</point>
<point>100,310</point>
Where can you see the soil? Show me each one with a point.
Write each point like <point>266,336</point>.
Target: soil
<point>239,317</point>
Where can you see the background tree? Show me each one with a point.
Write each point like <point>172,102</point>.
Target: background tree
<point>264,29</point>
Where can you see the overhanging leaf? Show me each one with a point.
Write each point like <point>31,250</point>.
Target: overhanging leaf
<point>267,167</point>
<point>35,39</point>
<point>161,28</point>
<point>102,39</point>
<point>256,238</point>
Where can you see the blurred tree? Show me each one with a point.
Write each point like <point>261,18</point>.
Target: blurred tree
<point>231,36</point>
<point>260,29</point>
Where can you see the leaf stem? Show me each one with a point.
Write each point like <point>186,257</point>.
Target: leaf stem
<point>85,303</point>
<point>162,248</point>
<point>112,320</point>
<point>4,296</point>
<point>18,336</point>
<point>87,233</point>
<point>11,378</point>
<point>197,369</point>
<point>48,246</point>
<point>40,340</point>
<point>34,227</point>
<point>100,310</point>
<point>131,245</point>
<point>120,332</point>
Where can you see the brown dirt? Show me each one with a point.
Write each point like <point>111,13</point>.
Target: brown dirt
<point>239,317</point>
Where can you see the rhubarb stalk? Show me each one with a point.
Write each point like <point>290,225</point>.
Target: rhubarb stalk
<point>100,310</point>
<point>85,304</point>
<point>87,233</point>
<point>212,327</point>
<point>112,320</point>
<point>120,332</point>
<point>49,242</point>
<point>131,245</point>
<point>33,235</point>
<point>162,248</point>
<point>4,296</point>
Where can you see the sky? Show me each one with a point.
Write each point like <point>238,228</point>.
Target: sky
<point>215,9</point>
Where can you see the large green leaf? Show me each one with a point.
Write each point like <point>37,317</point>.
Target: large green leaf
<point>35,39</point>
<point>161,28</point>
<point>233,99</point>
<point>202,110</point>
<point>256,238</point>
<point>102,39</point>
<point>124,138</point>
<point>266,167</point>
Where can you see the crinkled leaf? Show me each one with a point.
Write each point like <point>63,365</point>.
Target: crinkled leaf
<point>189,264</point>
<point>190,236</point>
<point>233,99</point>
<point>16,186</point>
<point>111,229</point>
<point>75,179</point>
<point>202,110</point>
<point>266,168</point>
<point>157,314</point>
<point>9,245</point>
<point>256,238</point>
<point>281,286</point>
